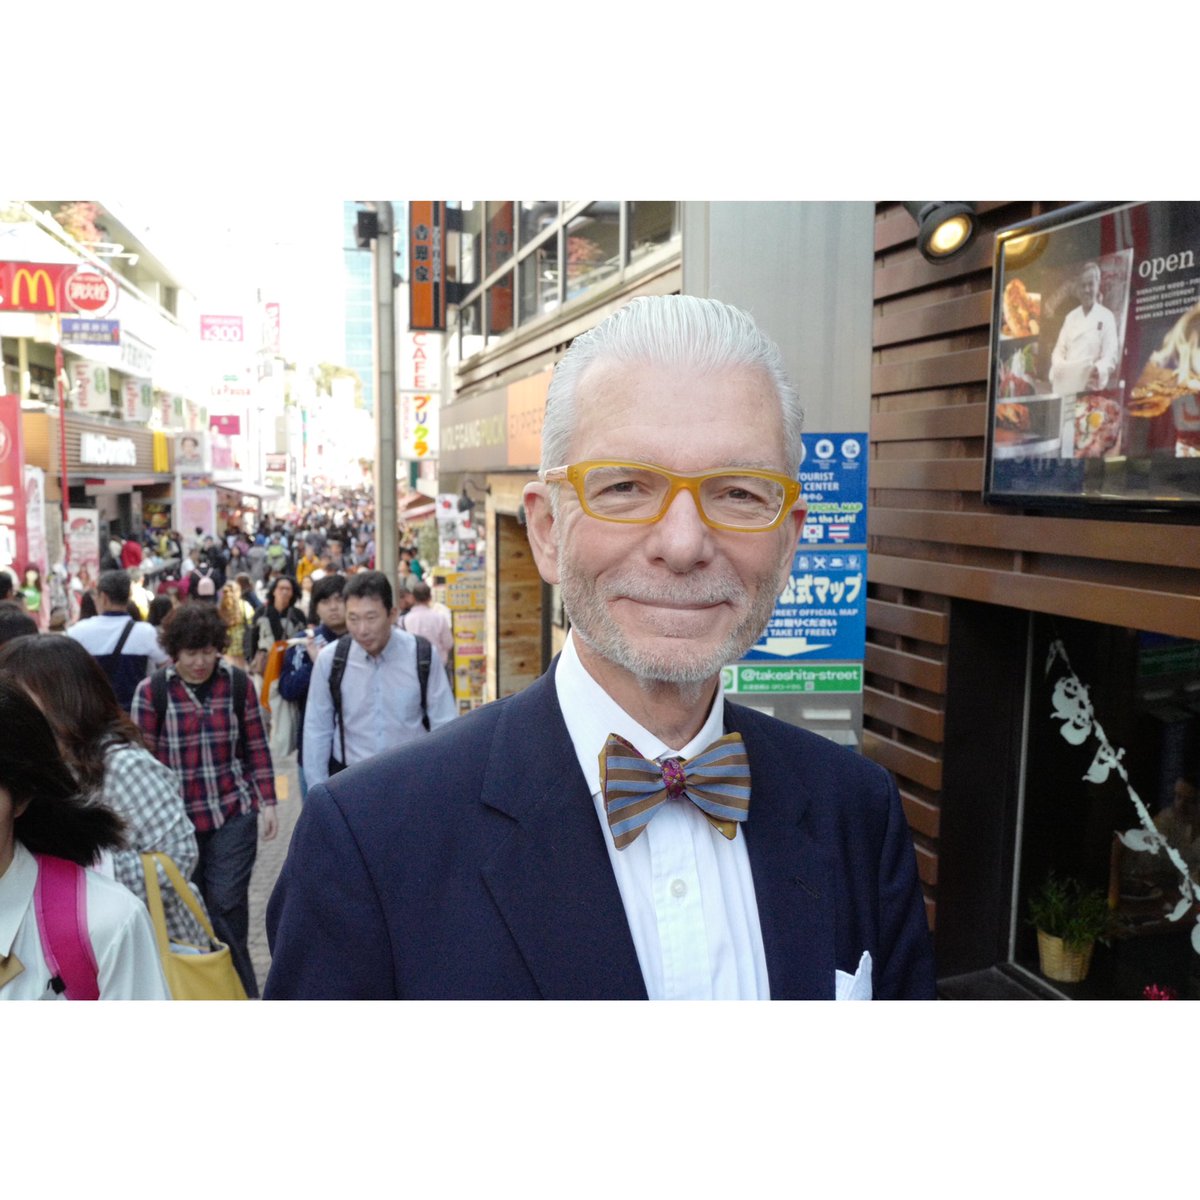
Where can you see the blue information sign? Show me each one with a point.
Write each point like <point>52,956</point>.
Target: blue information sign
<point>833,476</point>
<point>822,613</point>
<point>91,331</point>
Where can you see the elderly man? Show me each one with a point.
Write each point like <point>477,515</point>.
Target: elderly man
<point>1085,354</point>
<point>618,829</point>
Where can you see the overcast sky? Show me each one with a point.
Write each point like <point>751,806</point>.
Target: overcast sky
<point>226,248</point>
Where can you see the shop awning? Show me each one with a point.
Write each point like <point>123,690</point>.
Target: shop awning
<point>416,506</point>
<point>101,485</point>
<point>245,488</point>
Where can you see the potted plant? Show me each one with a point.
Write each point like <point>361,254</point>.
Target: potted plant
<point>1069,918</point>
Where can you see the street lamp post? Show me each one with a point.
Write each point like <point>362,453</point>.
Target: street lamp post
<point>387,555</point>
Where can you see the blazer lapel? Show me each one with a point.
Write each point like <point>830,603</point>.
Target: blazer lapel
<point>793,885</point>
<point>551,878</point>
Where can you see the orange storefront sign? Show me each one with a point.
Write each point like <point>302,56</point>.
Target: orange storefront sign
<point>526,408</point>
<point>427,264</point>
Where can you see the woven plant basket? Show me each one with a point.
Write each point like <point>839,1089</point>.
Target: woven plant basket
<point>1061,963</point>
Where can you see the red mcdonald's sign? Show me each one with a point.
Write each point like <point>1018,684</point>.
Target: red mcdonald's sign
<point>54,287</point>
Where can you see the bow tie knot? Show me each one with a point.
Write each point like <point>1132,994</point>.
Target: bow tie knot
<point>717,781</point>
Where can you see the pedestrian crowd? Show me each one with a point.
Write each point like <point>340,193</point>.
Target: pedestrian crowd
<point>156,725</point>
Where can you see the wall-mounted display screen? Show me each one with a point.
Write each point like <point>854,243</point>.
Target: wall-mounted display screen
<point>1094,384</point>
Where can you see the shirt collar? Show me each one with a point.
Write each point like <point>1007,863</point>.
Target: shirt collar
<point>16,891</point>
<point>222,667</point>
<point>591,714</point>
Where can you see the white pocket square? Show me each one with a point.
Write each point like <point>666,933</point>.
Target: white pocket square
<point>856,986</point>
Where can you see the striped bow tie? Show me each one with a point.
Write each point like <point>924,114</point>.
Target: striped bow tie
<point>716,781</point>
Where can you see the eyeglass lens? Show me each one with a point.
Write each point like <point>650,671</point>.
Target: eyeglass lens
<point>628,493</point>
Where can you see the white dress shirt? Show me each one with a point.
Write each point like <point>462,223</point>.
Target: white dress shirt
<point>118,925</point>
<point>99,635</point>
<point>381,704</point>
<point>687,890</point>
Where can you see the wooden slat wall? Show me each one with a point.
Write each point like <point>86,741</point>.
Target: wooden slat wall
<point>518,609</point>
<point>931,537</point>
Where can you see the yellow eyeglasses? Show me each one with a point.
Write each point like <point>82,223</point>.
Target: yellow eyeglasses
<point>742,501</point>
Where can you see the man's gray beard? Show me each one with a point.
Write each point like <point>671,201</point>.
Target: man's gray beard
<point>594,624</point>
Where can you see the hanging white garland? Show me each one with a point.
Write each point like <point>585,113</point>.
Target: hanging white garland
<point>1073,707</point>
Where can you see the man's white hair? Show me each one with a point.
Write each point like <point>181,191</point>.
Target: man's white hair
<point>668,331</point>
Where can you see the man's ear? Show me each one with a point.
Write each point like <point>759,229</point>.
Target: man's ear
<point>539,525</point>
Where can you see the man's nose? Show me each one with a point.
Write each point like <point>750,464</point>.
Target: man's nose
<point>680,537</point>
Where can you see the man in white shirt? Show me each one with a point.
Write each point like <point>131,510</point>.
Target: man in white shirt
<point>596,835</point>
<point>378,703</point>
<point>126,648</point>
<point>1085,354</point>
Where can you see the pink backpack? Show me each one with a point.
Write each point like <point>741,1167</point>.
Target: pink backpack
<point>60,901</point>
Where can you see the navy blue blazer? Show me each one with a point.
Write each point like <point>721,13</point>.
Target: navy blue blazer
<point>470,864</point>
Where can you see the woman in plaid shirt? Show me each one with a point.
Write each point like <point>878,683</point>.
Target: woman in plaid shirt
<point>224,762</point>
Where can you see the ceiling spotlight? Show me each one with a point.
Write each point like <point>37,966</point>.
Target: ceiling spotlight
<point>945,228</point>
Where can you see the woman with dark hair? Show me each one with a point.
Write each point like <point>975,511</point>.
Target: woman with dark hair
<point>200,717</point>
<point>159,607</point>
<point>87,606</point>
<point>107,942</point>
<point>105,752</point>
<point>279,620</point>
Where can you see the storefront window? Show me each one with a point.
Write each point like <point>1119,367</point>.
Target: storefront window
<point>499,234</point>
<point>471,243</point>
<point>539,281</point>
<point>1112,806</point>
<point>500,306</point>
<point>470,327</point>
<point>536,217</point>
<point>652,223</point>
<point>593,246</point>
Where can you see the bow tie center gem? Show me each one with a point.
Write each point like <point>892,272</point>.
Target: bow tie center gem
<point>673,776</point>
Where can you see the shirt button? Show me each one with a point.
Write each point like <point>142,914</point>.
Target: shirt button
<point>678,888</point>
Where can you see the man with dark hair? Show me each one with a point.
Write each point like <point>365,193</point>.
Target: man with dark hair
<point>7,583</point>
<point>620,829</point>
<point>375,693</point>
<point>15,622</point>
<point>126,648</point>
<point>200,716</point>
<point>329,608</point>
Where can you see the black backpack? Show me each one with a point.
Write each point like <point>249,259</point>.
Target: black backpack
<point>340,657</point>
<point>241,684</point>
<point>124,672</point>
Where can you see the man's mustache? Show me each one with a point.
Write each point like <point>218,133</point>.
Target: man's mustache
<point>698,591</point>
